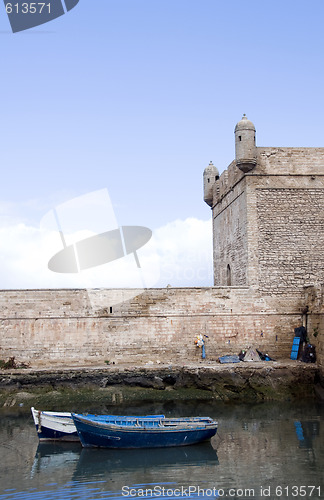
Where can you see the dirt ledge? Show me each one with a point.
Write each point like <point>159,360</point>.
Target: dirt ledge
<point>245,381</point>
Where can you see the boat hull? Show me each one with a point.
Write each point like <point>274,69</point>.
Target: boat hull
<point>48,434</point>
<point>54,426</point>
<point>96,434</point>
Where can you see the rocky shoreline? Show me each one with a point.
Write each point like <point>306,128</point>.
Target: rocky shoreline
<point>247,381</point>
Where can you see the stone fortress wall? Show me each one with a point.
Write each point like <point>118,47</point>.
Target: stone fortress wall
<point>268,235</point>
<point>268,224</point>
<point>62,327</point>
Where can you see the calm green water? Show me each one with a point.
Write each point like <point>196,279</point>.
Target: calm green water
<point>270,450</point>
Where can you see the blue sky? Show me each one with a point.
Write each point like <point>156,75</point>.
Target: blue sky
<point>137,96</point>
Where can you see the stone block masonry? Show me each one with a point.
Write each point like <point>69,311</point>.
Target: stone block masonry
<point>291,238</point>
<point>62,327</point>
<point>268,225</point>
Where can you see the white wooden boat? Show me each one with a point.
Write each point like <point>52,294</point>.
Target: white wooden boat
<point>53,425</point>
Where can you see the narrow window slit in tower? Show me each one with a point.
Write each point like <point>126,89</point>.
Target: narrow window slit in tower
<point>110,310</point>
<point>228,275</point>
<point>240,137</point>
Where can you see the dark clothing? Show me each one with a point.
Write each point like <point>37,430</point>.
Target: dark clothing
<point>302,333</point>
<point>309,355</point>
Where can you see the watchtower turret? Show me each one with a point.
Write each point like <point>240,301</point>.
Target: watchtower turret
<point>211,175</point>
<point>245,148</point>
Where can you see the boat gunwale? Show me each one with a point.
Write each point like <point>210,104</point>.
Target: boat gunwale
<point>159,429</point>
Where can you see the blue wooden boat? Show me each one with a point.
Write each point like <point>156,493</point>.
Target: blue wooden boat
<point>142,432</point>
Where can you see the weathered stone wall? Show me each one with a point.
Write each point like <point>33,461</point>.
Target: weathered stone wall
<point>71,327</point>
<point>291,238</point>
<point>269,223</point>
<point>230,240</point>
<point>290,161</point>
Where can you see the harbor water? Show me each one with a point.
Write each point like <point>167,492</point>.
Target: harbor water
<point>266,450</point>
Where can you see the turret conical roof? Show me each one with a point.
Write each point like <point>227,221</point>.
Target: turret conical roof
<point>244,124</point>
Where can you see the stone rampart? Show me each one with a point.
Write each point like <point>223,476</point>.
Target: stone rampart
<point>285,161</point>
<point>76,327</point>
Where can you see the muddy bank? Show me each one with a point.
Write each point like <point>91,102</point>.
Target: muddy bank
<point>253,381</point>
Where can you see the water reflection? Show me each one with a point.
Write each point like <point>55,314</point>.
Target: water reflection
<point>98,462</point>
<point>50,457</point>
<point>266,444</point>
<point>86,462</point>
<point>306,431</point>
